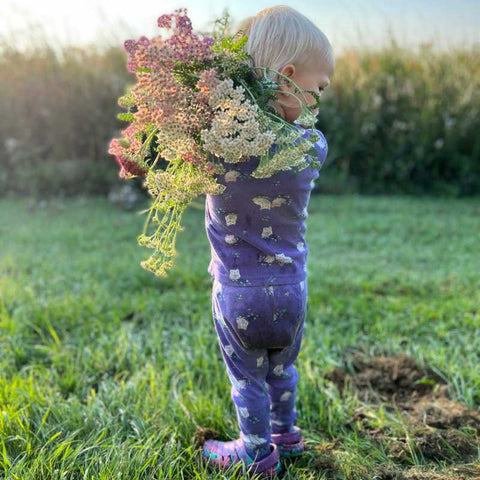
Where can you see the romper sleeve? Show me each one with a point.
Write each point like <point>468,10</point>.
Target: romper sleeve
<point>321,146</point>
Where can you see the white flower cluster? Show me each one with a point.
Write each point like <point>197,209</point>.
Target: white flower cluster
<point>174,140</point>
<point>181,187</point>
<point>289,137</point>
<point>235,132</point>
<point>284,159</point>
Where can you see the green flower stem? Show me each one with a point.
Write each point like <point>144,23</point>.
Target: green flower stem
<point>175,225</point>
<point>155,161</point>
<point>164,236</point>
<point>289,93</point>
<point>157,236</point>
<point>255,100</point>
<point>179,228</point>
<point>284,76</point>
<point>166,232</point>
<point>146,143</point>
<point>153,208</point>
<point>150,211</point>
<point>246,88</point>
<point>278,90</point>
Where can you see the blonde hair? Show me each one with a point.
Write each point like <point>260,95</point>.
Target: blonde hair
<point>280,35</point>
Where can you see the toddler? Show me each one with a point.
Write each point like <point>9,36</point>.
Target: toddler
<point>256,229</point>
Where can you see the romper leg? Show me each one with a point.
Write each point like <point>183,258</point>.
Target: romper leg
<point>282,376</point>
<point>246,370</point>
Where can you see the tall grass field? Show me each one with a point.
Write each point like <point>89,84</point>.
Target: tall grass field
<point>397,120</point>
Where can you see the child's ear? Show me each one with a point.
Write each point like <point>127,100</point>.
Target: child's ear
<point>288,70</point>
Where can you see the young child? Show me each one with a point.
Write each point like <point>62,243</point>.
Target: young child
<point>256,229</point>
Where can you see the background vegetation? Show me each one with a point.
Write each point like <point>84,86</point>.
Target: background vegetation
<point>396,119</point>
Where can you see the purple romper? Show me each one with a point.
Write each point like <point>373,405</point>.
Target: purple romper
<point>256,230</point>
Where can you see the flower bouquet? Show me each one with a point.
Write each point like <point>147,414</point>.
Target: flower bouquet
<point>196,101</point>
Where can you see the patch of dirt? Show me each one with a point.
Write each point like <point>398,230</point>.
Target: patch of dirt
<point>448,445</point>
<point>439,428</point>
<point>426,473</point>
<point>444,413</point>
<point>326,463</point>
<point>387,379</point>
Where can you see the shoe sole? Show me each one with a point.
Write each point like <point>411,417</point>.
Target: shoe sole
<point>271,473</point>
<point>289,450</point>
<point>291,454</point>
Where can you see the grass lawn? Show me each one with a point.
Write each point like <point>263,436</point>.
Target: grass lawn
<point>108,372</point>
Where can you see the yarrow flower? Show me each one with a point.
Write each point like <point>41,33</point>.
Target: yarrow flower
<point>194,102</point>
<point>234,132</point>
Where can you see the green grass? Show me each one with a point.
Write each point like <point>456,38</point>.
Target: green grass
<point>106,371</point>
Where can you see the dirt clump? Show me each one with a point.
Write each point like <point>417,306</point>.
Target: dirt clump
<point>439,428</point>
<point>326,463</point>
<point>387,379</point>
<point>466,472</point>
<point>444,413</point>
<point>203,434</point>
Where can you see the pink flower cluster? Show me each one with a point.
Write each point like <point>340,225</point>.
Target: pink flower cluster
<point>125,154</point>
<point>184,45</point>
<point>176,110</point>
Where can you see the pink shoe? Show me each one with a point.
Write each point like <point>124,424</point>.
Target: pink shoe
<point>226,454</point>
<point>289,444</point>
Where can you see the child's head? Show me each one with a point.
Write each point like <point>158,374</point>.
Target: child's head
<point>285,40</point>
